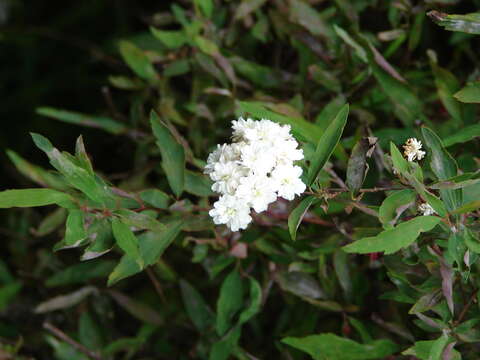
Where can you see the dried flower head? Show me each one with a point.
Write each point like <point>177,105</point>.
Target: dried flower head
<point>253,171</point>
<point>412,149</point>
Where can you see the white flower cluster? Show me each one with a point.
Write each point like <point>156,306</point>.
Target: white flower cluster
<point>412,149</point>
<point>426,209</point>
<point>253,171</point>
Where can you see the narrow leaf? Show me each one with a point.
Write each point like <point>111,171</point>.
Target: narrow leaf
<point>332,347</point>
<point>296,216</point>
<point>229,301</point>
<point>173,154</point>
<point>32,197</point>
<point>126,240</point>
<point>327,143</point>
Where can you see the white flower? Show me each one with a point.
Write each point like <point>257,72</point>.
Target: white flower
<point>239,126</point>
<point>227,177</point>
<point>257,191</point>
<point>412,149</point>
<point>426,209</point>
<point>253,171</point>
<point>232,212</point>
<point>288,152</point>
<point>288,181</point>
<point>258,158</point>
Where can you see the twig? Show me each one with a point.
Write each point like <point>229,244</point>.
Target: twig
<point>64,337</point>
<point>467,307</point>
<point>156,284</point>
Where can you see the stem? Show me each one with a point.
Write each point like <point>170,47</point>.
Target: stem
<point>64,337</point>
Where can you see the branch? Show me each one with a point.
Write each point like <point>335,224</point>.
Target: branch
<point>64,337</point>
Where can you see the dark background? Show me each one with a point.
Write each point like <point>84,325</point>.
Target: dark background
<point>59,54</point>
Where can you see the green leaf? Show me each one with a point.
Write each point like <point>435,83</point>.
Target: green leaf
<point>32,197</point>
<point>172,39</point>
<point>324,78</point>
<point>471,241</point>
<point>327,143</point>
<point>229,302</point>
<point>468,207</point>
<point>37,174</point>
<point>258,74</point>
<point>155,198</point>
<point>297,214</point>
<point>152,246</point>
<point>173,154</point>
<point>80,273</point>
<point>332,347</point>
<point>407,106</point>
<point>82,156</point>
<point>206,45</point>
<point>51,222</point>
<point>305,15</point>
<point>438,346</point>
<point>357,165</point>
<point>177,67</point>
<point>206,6</point>
<point>126,240</point>
<point>447,85</point>
<point>443,166</point>
<point>422,350</point>
<point>469,94</point>
<point>302,127</point>
<point>126,267</point>
<point>89,331</point>
<point>394,205</point>
<point>72,117</point>
<point>469,23</point>
<point>340,264</point>
<point>255,302</point>
<point>197,309</point>
<point>198,184</point>
<point>329,111</point>
<point>138,61</point>
<point>390,241</point>
<point>75,233</point>
<point>222,349</point>
<point>78,177</point>
<point>462,135</point>
<point>139,220</point>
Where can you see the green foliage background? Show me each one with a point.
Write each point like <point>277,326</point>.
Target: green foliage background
<point>111,254</point>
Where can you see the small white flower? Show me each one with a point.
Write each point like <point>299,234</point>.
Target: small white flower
<point>412,149</point>
<point>288,181</point>
<point>426,209</point>
<point>239,126</point>
<point>232,212</point>
<point>227,177</point>
<point>258,158</point>
<point>257,191</point>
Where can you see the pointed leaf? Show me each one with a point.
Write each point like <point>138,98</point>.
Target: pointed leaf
<point>390,241</point>
<point>296,216</point>
<point>327,143</point>
<point>173,154</point>
<point>332,347</point>
<point>229,301</point>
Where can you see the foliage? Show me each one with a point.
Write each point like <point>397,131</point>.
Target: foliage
<point>131,266</point>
